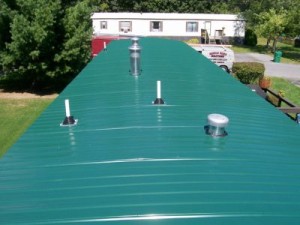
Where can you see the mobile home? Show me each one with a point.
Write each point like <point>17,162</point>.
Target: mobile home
<point>208,28</point>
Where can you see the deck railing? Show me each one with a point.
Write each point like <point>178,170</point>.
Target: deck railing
<point>291,109</point>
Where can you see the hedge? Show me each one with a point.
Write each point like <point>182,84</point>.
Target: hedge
<point>250,38</point>
<point>297,43</point>
<point>248,72</point>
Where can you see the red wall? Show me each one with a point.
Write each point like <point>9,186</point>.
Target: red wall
<point>98,43</point>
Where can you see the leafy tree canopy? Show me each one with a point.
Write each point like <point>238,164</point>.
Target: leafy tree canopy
<point>272,24</point>
<point>47,41</point>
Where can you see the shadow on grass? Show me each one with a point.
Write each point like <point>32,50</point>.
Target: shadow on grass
<point>258,48</point>
<point>290,53</point>
<point>42,87</point>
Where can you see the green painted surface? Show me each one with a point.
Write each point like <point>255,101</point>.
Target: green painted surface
<point>129,162</point>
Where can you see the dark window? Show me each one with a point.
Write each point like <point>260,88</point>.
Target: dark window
<point>156,26</point>
<point>103,25</point>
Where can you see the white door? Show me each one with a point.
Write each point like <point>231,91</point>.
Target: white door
<point>207,27</point>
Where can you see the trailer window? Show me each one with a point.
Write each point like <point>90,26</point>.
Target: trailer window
<point>125,26</point>
<point>191,26</point>
<point>156,26</point>
<point>103,25</point>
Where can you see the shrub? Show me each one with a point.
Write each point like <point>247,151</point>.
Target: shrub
<point>250,38</point>
<point>297,42</point>
<point>193,41</point>
<point>248,72</point>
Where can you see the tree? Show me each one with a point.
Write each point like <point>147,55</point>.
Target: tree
<point>6,14</point>
<point>32,41</point>
<point>179,6</point>
<point>221,7</point>
<point>75,48</point>
<point>272,24</point>
<point>250,9</point>
<point>293,25</point>
<point>50,41</point>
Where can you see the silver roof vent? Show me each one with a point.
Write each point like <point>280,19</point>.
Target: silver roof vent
<point>135,57</point>
<point>216,125</point>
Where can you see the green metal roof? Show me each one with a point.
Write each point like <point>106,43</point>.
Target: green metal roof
<point>130,162</point>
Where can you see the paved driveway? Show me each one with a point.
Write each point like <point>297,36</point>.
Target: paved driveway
<point>288,71</point>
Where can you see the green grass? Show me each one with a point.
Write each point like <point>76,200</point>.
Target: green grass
<point>291,92</point>
<point>16,115</point>
<point>290,54</point>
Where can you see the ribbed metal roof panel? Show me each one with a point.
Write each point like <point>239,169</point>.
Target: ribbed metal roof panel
<point>130,162</point>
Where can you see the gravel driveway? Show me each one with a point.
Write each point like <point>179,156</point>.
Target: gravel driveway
<point>288,71</point>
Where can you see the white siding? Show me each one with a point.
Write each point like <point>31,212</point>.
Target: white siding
<point>173,24</point>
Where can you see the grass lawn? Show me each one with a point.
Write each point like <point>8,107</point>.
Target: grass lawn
<point>290,54</point>
<point>16,115</point>
<point>291,92</point>
<point>288,91</point>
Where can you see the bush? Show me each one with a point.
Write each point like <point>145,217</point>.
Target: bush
<point>250,38</point>
<point>193,41</point>
<point>248,72</point>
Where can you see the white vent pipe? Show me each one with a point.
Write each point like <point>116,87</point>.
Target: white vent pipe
<point>67,107</point>
<point>158,100</point>
<point>158,86</point>
<point>69,120</point>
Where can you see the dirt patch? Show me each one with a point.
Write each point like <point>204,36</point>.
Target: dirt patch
<point>24,95</point>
